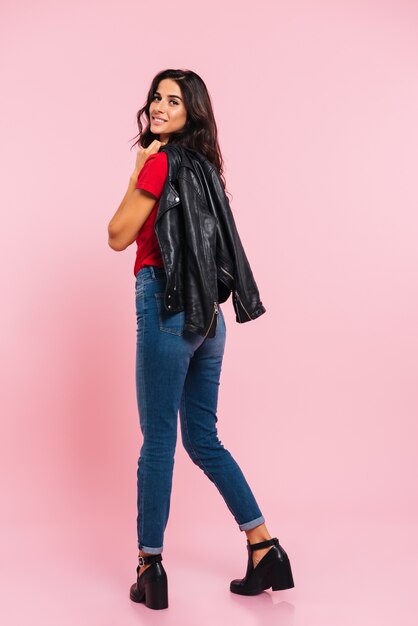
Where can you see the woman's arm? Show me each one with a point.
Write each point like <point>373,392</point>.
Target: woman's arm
<point>135,207</point>
<point>128,220</point>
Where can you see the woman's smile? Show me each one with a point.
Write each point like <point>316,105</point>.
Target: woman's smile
<point>158,120</point>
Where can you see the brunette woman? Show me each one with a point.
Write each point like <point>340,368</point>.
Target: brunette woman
<point>178,371</point>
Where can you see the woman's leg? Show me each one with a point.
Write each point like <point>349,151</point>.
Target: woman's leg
<point>162,361</point>
<point>198,414</point>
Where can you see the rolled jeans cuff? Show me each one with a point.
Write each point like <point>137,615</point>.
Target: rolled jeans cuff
<point>252,524</point>
<point>150,550</point>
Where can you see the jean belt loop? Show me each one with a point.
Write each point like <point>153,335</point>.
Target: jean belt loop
<point>152,271</point>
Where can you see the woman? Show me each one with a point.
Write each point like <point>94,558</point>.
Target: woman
<point>178,370</point>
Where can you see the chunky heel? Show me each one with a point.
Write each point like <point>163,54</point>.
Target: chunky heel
<point>281,575</point>
<point>272,571</point>
<point>151,585</point>
<point>156,596</point>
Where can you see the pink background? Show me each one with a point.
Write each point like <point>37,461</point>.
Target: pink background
<point>316,105</point>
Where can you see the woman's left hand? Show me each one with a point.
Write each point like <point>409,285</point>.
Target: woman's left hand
<point>143,154</point>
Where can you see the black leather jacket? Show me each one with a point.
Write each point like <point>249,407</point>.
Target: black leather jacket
<point>203,256</point>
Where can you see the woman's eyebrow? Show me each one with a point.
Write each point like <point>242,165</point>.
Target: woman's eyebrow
<point>170,95</point>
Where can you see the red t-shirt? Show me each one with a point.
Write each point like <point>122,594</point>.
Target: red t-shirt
<point>152,178</point>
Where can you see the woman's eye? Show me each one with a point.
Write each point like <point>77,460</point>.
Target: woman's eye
<point>158,98</point>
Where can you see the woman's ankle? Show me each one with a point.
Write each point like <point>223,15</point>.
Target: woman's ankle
<point>257,534</point>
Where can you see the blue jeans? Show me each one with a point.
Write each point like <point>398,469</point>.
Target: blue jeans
<point>177,370</point>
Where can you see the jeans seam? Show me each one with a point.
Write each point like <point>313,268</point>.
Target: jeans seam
<point>142,390</point>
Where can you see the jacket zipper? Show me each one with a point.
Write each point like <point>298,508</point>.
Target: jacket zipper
<point>238,298</point>
<point>226,272</point>
<point>237,295</point>
<point>215,312</point>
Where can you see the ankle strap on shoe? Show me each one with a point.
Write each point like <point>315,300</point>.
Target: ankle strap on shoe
<point>152,558</point>
<point>263,544</point>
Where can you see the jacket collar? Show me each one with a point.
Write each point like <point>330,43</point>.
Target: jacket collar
<point>181,156</point>
<point>178,157</point>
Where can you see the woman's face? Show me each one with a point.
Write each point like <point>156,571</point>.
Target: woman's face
<point>167,105</point>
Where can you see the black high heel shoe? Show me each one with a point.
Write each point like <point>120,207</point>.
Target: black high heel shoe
<point>151,585</point>
<point>272,571</point>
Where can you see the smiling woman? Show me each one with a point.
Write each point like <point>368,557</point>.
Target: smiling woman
<point>178,372</point>
<point>168,114</point>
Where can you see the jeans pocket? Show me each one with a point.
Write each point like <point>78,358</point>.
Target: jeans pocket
<point>169,322</point>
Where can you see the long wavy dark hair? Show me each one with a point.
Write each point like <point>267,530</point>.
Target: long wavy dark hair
<point>200,131</point>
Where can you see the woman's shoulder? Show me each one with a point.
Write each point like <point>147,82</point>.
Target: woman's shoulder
<point>156,163</point>
<point>157,157</point>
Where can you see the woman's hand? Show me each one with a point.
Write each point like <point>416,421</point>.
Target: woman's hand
<point>143,154</point>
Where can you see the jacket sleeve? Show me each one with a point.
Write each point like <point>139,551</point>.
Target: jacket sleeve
<point>246,297</point>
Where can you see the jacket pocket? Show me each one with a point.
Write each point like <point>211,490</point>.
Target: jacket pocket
<point>169,322</point>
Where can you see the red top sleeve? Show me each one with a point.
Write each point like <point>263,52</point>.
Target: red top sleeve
<point>153,174</point>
